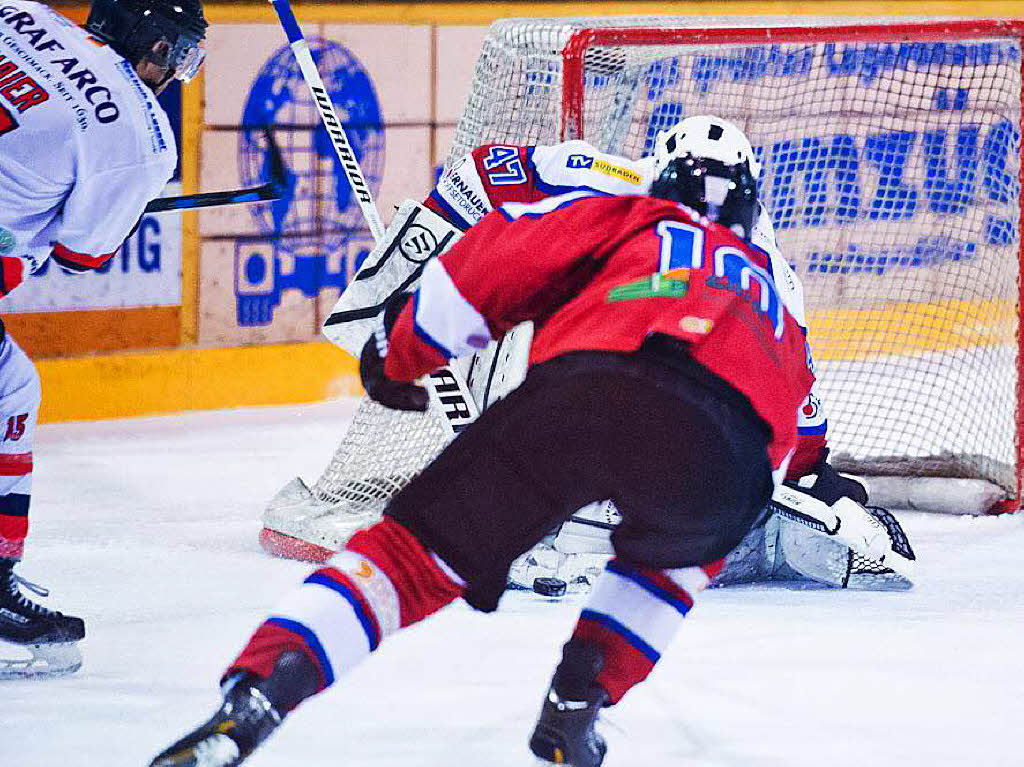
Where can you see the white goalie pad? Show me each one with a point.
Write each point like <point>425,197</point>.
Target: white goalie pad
<point>844,544</point>
<point>791,546</point>
<point>416,234</point>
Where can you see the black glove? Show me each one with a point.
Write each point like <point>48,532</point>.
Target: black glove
<point>829,485</point>
<point>396,395</point>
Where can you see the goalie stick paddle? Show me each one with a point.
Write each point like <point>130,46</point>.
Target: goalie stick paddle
<point>342,147</point>
<point>272,190</point>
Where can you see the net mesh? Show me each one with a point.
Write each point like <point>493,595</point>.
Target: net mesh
<point>381,451</point>
<point>891,170</point>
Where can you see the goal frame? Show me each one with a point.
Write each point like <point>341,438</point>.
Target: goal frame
<point>574,94</point>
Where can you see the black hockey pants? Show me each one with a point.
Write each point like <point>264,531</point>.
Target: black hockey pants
<point>681,452</point>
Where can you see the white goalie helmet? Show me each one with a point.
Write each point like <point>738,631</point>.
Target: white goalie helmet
<point>704,136</point>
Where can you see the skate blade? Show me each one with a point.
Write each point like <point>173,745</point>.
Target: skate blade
<point>213,751</point>
<point>45,660</point>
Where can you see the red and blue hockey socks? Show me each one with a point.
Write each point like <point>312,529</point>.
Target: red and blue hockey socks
<point>382,581</point>
<point>632,615</point>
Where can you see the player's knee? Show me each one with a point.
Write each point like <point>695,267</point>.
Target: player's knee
<point>21,383</point>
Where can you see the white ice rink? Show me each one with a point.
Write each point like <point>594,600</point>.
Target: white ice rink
<point>147,528</point>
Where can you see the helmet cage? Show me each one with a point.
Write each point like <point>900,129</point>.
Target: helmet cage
<point>726,194</point>
<point>134,27</point>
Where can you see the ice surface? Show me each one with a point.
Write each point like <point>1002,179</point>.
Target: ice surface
<point>148,529</point>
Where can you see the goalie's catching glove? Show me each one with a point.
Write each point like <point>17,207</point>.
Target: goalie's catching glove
<point>396,395</point>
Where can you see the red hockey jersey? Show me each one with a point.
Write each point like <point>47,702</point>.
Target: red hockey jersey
<point>494,174</point>
<point>604,273</point>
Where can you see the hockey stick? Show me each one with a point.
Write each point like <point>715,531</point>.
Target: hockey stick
<point>332,123</point>
<point>272,190</point>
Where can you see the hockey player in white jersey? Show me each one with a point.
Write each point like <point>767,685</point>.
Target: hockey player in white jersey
<point>494,174</point>
<point>84,145</point>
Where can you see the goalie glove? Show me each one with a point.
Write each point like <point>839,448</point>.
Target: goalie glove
<point>831,505</point>
<point>396,395</point>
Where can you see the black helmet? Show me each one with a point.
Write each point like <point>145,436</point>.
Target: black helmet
<point>724,193</point>
<point>132,27</point>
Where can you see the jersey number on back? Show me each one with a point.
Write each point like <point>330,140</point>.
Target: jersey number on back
<point>682,249</point>
<point>7,123</point>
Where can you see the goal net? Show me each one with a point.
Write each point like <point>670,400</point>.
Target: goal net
<point>892,167</point>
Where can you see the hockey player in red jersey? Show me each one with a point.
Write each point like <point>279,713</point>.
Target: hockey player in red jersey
<point>494,174</point>
<point>84,145</point>
<point>666,373</point>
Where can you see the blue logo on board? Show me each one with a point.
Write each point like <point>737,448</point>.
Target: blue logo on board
<point>315,233</point>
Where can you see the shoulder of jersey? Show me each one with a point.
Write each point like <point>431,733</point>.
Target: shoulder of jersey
<point>578,164</point>
<point>135,115</point>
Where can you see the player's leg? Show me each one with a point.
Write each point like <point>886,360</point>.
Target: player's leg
<point>632,613</point>
<point>34,640</point>
<point>706,484</point>
<point>471,497</point>
<point>524,466</point>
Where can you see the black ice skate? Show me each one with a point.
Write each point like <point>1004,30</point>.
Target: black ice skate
<point>44,639</point>
<point>250,712</point>
<point>565,732</point>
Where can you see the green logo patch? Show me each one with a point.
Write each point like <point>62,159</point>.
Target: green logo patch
<point>6,241</point>
<point>655,286</point>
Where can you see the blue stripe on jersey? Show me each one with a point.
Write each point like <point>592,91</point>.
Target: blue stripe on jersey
<point>14,505</point>
<point>609,622</point>
<point>423,335</point>
<point>346,593</point>
<point>650,587</point>
<point>553,190</point>
<point>820,429</point>
<point>454,217</point>
<point>307,635</point>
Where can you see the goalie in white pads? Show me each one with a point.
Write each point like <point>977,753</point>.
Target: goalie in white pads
<point>787,547</point>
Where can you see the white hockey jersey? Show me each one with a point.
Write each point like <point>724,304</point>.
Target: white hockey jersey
<point>84,145</point>
<point>495,174</point>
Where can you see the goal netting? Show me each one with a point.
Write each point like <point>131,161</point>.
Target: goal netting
<point>892,166</point>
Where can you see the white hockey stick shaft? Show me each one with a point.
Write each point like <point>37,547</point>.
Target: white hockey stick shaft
<point>322,98</point>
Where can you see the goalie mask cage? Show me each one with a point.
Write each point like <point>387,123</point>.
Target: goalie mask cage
<point>892,170</point>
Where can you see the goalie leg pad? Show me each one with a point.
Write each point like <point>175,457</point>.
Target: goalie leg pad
<point>843,544</point>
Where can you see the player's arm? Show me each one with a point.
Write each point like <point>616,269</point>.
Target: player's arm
<point>103,209</point>
<point>812,426</point>
<point>519,263</point>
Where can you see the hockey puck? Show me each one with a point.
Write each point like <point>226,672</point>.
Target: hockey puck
<point>549,587</point>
